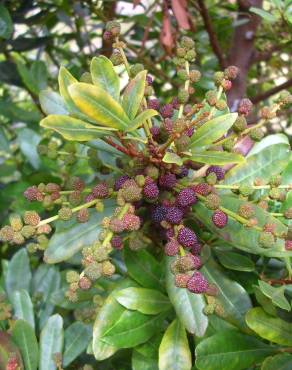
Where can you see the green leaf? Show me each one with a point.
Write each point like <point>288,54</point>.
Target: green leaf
<point>211,131</point>
<point>51,342</point>
<point>273,329</point>
<point>174,351</point>
<point>65,79</point>
<point>144,268</point>
<point>264,301</point>
<point>134,94</point>
<point>282,361</point>
<point>71,236</point>
<point>39,75</point>
<point>231,296</point>
<point>107,316</point>
<point>171,157</point>
<point>237,234</point>
<point>77,337</point>
<point>147,301</point>
<point>98,106</point>
<point>6,25</point>
<point>26,77</point>
<point>24,337</point>
<point>104,76</point>
<point>28,140</point>
<point>72,128</point>
<point>140,362</point>
<point>216,157</point>
<point>271,18</point>
<point>52,103</point>
<point>275,294</point>
<point>133,328</point>
<point>18,274</point>
<point>266,162</point>
<point>230,350</point>
<point>188,307</point>
<point>234,261</point>
<point>22,306</point>
<point>141,118</point>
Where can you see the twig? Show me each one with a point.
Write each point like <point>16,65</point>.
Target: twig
<point>260,97</point>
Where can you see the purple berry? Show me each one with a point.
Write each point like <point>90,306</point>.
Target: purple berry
<point>171,248</point>
<point>155,131</point>
<point>189,132</point>
<point>196,248</point>
<point>197,262</point>
<point>153,104</point>
<point>100,190</point>
<point>151,190</point>
<point>186,198</point>
<point>175,103</point>
<point>184,171</point>
<point>166,111</point>
<point>219,172</point>
<point>158,214</point>
<point>168,124</point>
<point>149,80</point>
<point>219,219</point>
<point>174,215</point>
<point>187,237</point>
<point>167,180</point>
<point>169,233</point>
<point>120,182</point>
<point>117,242</point>
<point>198,283</point>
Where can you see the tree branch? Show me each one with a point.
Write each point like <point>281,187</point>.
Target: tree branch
<point>212,35</point>
<point>260,97</point>
<point>260,56</point>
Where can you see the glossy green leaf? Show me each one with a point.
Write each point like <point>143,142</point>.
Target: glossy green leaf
<point>276,294</point>
<point>133,328</point>
<point>263,162</point>
<point>150,348</point>
<point>141,118</point>
<point>107,316</point>
<point>76,340</point>
<point>174,351</point>
<point>71,236</point>
<point>22,306</point>
<point>104,76</point>
<point>282,361</point>
<point>24,337</point>
<point>273,329</point>
<point>51,342</point>
<point>18,274</point>
<point>26,77</point>
<point>6,24</point>
<point>65,79</point>
<point>216,157</point>
<point>234,261</point>
<point>72,128</point>
<point>134,94</point>
<point>144,268</point>
<point>188,307</point>
<point>171,157</point>
<point>28,140</point>
<point>264,301</point>
<point>52,103</point>
<point>98,105</point>
<point>232,297</point>
<point>238,235</point>
<point>39,75</point>
<point>231,350</point>
<point>147,301</point>
<point>140,362</point>
<point>267,16</point>
<point>212,131</point>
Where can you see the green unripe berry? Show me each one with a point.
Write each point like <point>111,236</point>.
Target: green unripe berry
<point>183,96</point>
<point>211,178</point>
<point>181,52</point>
<point>266,240</point>
<point>275,193</point>
<point>187,42</point>
<point>28,231</point>
<point>65,213</point>
<point>256,134</point>
<point>240,124</point>
<point>152,172</point>
<point>212,201</point>
<point>218,78</point>
<point>182,75</point>
<point>116,58</point>
<point>108,269</point>
<point>246,210</point>
<point>276,180</point>
<point>72,277</point>
<point>228,145</point>
<point>32,247</point>
<point>221,104</point>
<point>190,55</point>
<point>15,222</point>
<point>182,143</point>
<point>99,207</point>
<point>211,97</point>
<point>93,271</point>
<point>18,239</point>
<point>245,190</point>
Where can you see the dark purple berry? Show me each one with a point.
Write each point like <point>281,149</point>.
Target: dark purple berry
<point>169,233</point>
<point>117,242</point>
<point>198,283</point>
<point>166,111</point>
<point>219,219</point>
<point>184,171</point>
<point>153,104</point>
<point>167,180</point>
<point>151,190</point>
<point>196,248</point>
<point>187,237</point>
<point>174,215</point>
<point>120,182</point>
<point>219,172</point>
<point>155,131</point>
<point>168,125</point>
<point>171,248</point>
<point>189,132</point>
<point>186,197</point>
<point>149,80</point>
<point>100,190</point>
<point>158,214</point>
<point>175,103</point>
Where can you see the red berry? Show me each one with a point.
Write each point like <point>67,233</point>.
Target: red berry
<point>202,189</point>
<point>219,219</point>
<point>117,242</point>
<point>197,283</point>
<point>100,190</point>
<point>131,222</point>
<point>245,107</point>
<point>153,104</point>
<point>171,248</point>
<point>288,245</point>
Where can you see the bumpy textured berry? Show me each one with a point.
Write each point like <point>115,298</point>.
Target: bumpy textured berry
<point>256,134</point>
<point>166,111</point>
<point>196,248</point>
<point>179,125</point>
<point>171,248</point>
<point>75,198</point>
<point>226,84</point>
<point>195,75</point>
<point>269,228</point>
<point>181,280</point>
<point>190,131</point>
<point>151,191</point>
<point>84,283</point>
<point>219,172</point>
<point>83,215</point>
<point>275,193</point>
<point>190,55</point>
<point>197,262</point>
<point>198,283</point>
<point>288,245</point>
<point>186,198</point>
<point>219,219</point>
<point>246,210</point>
<point>51,187</point>
<point>65,213</point>
<point>212,201</point>
<point>167,181</point>
<point>33,193</point>
<point>267,113</point>
<point>120,182</point>
<point>72,277</point>
<point>182,74</point>
<point>174,215</point>
<point>93,271</point>
<point>77,184</point>
<point>116,57</point>
<point>117,242</point>
<point>100,190</point>
<point>116,225</point>
<point>288,213</point>
<point>218,77</point>
<point>266,240</point>
<point>246,190</point>
<point>228,145</point>
<point>240,124</point>
<point>275,180</point>
<point>183,96</point>
<point>187,42</point>
<point>187,237</point>
<point>153,104</point>
<point>158,214</point>
<point>152,172</point>
<point>16,222</point>
<point>245,107</point>
<point>131,193</point>
<point>182,143</point>
<point>28,231</point>
<point>202,189</point>
<point>211,97</point>
<point>108,269</point>
<point>231,72</point>
<point>131,222</point>
<point>31,218</point>
<point>18,238</point>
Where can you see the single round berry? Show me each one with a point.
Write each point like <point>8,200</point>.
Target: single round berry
<point>186,198</point>
<point>83,215</point>
<point>181,280</point>
<point>266,240</point>
<point>65,213</point>
<point>33,193</point>
<point>197,262</point>
<point>219,219</point>
<point>131,222</point>
<point>117,242</point>
<point>174,215</point>
<point>246,210</point>
<point>288,245</point>
<point>219,172</point>
<point>231,72</point>
<point>171,248</point>
<point>187,237</point>
<point>100,190</point>
<point>158,214</point>
<point>184,171</point>
<point>202,189</point>
<point>31,218</point>
<point>245,107</point>
<point>84,283</point>
<point>116,225</point>
<point>151,191</point>
<point>166,111</point>
<point>197,283</point>
<point>196,248</point>
<point>120,182</point>
<point>212,201</point>
<point>167,181</point>
<point>153,104</point>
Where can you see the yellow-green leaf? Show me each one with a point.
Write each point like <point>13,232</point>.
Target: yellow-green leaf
<point>134,94</point>
<point>216,157</point>
<point>65,80</point>
<point>72,128</point>
<point>171,157</point>
<point>98,105</point>
<point>104,76</point>
<point>139,120</point>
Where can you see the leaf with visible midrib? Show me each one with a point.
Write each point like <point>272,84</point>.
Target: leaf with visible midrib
<point>22,305</point>
<point>216,157</point>
<point>134,94</point>
<point>282,361</point>
<point>174,351</point>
